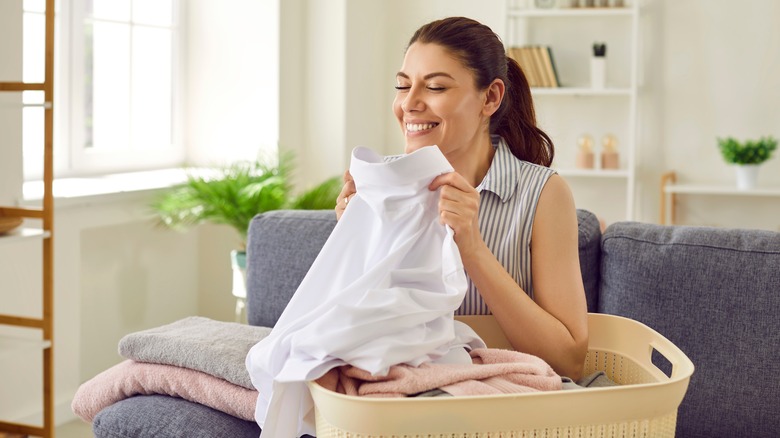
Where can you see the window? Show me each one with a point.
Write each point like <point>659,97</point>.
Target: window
<point>116,86</point>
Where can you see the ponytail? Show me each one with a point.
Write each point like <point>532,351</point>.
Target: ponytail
<point>515,120</point>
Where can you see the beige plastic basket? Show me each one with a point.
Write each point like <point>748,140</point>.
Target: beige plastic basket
<point>645,405</point>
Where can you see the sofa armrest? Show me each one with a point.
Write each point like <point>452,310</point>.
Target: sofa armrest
<point>715,293</point>
<point>281,246</point>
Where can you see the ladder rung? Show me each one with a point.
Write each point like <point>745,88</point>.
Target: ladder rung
<point>24,429</point>
<point>35,213</point>
<point>22,86</point>
<point>21,321</point>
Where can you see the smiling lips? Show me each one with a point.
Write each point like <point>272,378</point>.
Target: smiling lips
<point>418,127</point>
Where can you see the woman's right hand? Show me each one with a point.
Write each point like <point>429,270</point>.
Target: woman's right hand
<point>347,192</point>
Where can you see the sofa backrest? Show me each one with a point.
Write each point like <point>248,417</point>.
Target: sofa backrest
<point>283,244</point>
<point>715,293</point>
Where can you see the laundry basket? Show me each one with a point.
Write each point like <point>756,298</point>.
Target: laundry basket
<point>643,405</point>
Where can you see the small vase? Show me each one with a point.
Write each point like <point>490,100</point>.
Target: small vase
<point>747,176</point>
<point>598,72</point>
<point>238,263</point>
<point>584,160</point>
<point>610,161</point>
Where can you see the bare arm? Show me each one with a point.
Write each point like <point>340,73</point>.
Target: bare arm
<point>553,326</point>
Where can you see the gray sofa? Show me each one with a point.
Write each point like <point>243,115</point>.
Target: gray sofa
<point>715,293</point>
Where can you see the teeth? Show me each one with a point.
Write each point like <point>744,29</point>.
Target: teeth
<point>414,127</point>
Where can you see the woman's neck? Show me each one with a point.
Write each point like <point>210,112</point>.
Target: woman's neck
<point>473,162</point>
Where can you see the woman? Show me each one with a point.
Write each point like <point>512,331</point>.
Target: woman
<point>514,219</point>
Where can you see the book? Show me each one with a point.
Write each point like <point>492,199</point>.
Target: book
<point>537,64</point>
<point>541,67</point>
<point>518,54</point>
<point>549,67</point>
<point>535,72</point>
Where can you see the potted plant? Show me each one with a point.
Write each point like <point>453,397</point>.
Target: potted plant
<point>747,156</point>
<point>233,195</point>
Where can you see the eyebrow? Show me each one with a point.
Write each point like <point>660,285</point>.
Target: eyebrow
<point>428,76</point>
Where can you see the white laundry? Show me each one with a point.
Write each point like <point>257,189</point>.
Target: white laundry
<point>382,292</point>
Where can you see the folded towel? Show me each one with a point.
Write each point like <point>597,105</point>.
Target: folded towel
<point>214,347</point>
<point>493,371</point>
<point>131,378</point>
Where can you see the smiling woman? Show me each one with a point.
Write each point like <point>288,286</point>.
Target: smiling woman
<point>513,217</point>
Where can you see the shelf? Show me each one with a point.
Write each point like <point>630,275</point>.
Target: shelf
<point>593,173</point>
<point>568,31</point>
<point>719,189</point>
<point>581,91</point>
<point>20,234</point>
<point>573,12</point>
<point>19,343</point>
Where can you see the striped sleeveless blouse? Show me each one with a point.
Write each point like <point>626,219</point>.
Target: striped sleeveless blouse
<point>508,197</point>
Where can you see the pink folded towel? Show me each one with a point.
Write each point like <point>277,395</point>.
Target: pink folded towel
<point>131,378</point>
<point>493,371</point>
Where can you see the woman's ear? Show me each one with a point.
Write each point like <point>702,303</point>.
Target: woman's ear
<point>494,94</point>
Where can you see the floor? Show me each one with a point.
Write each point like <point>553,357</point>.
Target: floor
<point>74,429</point>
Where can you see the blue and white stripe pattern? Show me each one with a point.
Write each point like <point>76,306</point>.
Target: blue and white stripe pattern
<point>508,197</point>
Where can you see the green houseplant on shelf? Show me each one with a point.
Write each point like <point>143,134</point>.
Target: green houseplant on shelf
<point>747,156</point>
<point>233,195</point>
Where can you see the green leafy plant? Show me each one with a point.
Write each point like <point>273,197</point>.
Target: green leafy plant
<point>234,194</point>
<point>747,152</point>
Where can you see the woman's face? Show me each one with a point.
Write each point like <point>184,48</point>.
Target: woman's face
<point>437,102</point>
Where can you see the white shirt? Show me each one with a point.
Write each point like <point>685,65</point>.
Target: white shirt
<point>382,292</point>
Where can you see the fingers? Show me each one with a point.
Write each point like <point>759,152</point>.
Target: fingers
<point>453,179</point>
<point>458,208</point>
<point>347,192</point>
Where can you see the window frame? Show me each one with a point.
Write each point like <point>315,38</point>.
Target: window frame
<point>71,157</point>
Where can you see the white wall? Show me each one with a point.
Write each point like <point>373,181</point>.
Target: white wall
<point>720,76</point>
<point>232,96</point>
<point>10,109</point>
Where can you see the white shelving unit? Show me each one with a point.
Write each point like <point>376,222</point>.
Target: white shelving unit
<point>575,108</point>
<point>670,189</point>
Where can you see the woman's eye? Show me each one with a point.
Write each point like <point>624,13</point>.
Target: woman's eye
<point>402,87</point>
<point>436,88</point>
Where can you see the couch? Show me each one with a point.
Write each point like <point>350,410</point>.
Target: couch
<point>715,293</point>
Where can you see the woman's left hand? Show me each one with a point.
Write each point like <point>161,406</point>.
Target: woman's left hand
<point>458,208</point>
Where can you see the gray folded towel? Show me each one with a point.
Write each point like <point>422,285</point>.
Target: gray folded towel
<point>597,379</point>
<point>214,347</point>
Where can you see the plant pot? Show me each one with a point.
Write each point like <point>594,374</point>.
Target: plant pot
<point>747,176</point>
<point>238,263</point>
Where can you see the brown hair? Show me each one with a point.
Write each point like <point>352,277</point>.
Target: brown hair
<point>482,51</point>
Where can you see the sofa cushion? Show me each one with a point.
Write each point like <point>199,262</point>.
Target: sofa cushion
<point>589,234</point>
<point>161,416</point>
<point>715,293</point>
<point>283,244</point>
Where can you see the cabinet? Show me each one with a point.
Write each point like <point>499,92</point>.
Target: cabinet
<point>576,109</point>
<point>44,215</point>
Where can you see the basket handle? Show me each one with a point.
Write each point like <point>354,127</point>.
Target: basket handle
<point>679,361</point>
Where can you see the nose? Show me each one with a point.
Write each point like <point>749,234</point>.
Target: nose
<point>413,101</point>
